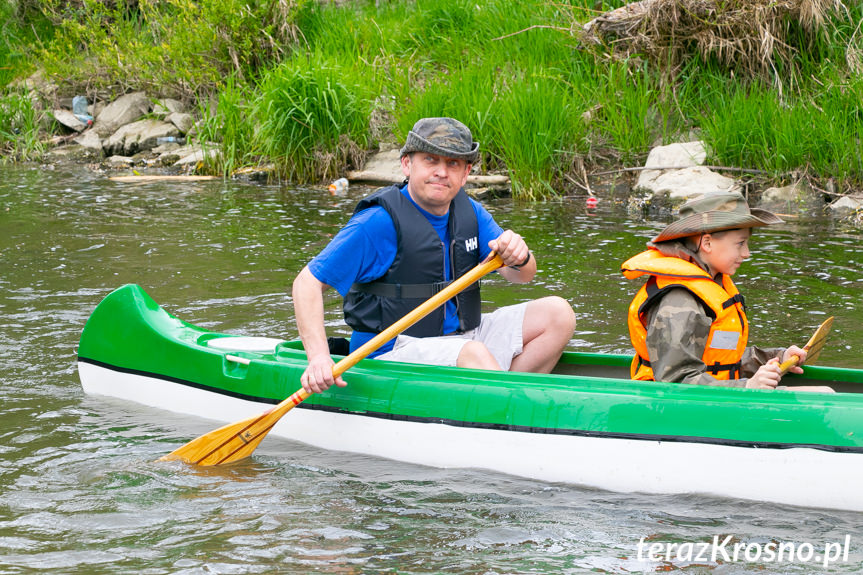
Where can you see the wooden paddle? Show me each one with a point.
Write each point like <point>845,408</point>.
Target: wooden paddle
<point>812,348</point>
<point>238,440</point>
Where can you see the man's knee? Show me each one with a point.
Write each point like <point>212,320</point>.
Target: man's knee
<point>475,354</point>
<point>556,313</point>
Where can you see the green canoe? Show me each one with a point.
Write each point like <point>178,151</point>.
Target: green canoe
<point>585,424</point>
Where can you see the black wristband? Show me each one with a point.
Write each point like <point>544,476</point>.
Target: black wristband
<point>522,264</point>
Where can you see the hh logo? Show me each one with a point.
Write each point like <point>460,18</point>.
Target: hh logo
<point>471,244</point>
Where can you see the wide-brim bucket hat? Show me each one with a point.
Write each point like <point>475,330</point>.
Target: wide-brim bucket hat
<point>445,137</point>
<point>716,212</point>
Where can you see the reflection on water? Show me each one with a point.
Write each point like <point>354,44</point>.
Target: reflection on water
<point>80,490</point>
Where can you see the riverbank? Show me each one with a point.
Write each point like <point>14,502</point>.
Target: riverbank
<point>554,95</point>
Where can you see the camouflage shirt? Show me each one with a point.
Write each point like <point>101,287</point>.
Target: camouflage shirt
<point>677,333</point>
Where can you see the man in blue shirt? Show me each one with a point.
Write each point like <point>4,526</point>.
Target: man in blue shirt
<point>402,245</point>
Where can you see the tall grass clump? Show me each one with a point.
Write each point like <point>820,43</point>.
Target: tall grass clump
<point>361,33</point>
<point>629,111</point>
<point>228,124</point>
<point>19,128</point>
<point>756,128</point>
<point>444,32</point>
<point>528,125</point>
<point>537,143</point>
<point>312,120</point>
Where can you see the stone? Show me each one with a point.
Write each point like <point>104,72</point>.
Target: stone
<point>119,161</point>
<point>96,108</point>
<point>168,159</point>
<point>89,140</point>
<point>166,147</point>
<point>691,182</point>
<point>387,163</point>
<point>122,111</point>
<point>70,154</point>
<point>261,173</point>
<point>847,204</point>
<point>687,177</point>
<point>184,122</point>
<point>679,155</point>
<point>794,199</point>
<point>138,136</point>
<point>198,155</point>
<point>68,119</point>
<point>167,106</point>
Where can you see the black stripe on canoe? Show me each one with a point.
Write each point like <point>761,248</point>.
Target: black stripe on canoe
<point>494,426</point>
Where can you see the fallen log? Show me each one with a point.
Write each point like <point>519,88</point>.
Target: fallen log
<point>133,179</point>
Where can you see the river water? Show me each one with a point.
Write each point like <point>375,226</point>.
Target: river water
<point>80,491</point>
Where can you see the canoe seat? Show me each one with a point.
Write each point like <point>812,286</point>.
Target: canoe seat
<point>244,343</point>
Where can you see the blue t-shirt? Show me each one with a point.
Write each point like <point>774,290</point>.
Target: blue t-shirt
<point>365,249</point>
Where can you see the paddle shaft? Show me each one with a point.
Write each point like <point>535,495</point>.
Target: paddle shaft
<point>237,440</point>
<point>491,263</point>
<point>788,364</point>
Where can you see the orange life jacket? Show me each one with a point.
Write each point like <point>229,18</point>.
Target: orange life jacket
<point>729,331</point>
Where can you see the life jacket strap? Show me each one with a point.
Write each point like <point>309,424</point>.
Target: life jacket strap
<point>733,300</point>
<point>733,369</point>
<point>405,291</point>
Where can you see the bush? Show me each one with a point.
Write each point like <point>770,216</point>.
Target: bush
<point>753,38</point>
<point>176,47</point>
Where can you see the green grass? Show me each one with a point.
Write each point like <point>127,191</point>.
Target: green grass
<point>9,42</point>
<point>19,128</point>
<point>21,30</point>
<point>311,86</point>
<point>537,143</point>
<point>227,124</point>
<point>753,126</point>
<point>180,48</point>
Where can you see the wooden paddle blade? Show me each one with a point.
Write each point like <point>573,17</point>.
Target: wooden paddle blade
<point>813,347</point>
<point>236,440</point>
<point>816,342</point>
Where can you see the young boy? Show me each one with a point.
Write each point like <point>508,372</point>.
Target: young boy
<point>688,322</point>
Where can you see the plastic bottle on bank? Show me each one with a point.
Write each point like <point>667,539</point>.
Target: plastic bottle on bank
<point>79,109</point>
<point>339,187</point>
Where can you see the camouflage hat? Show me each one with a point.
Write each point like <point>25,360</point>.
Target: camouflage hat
<point>443,137</point>
<point>716,212</point>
